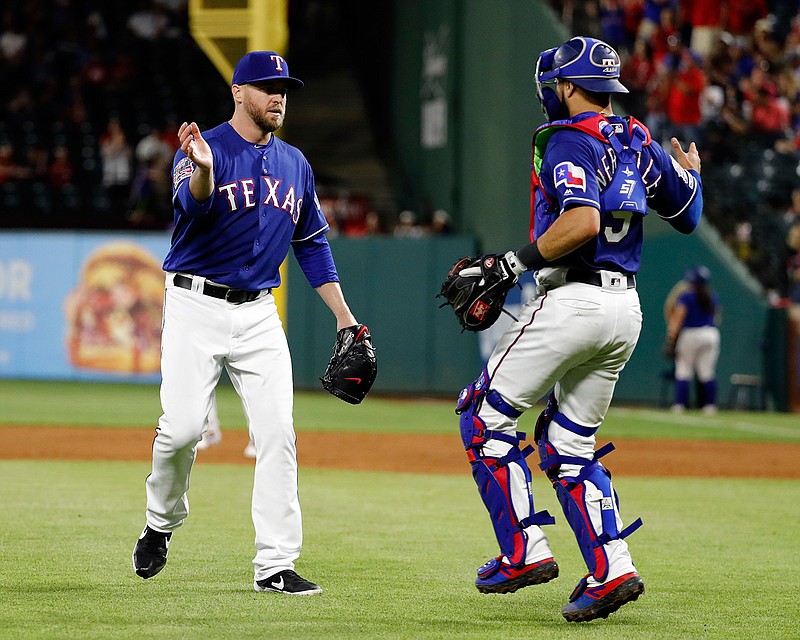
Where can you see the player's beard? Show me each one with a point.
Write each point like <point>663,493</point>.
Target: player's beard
<point>267,121</point>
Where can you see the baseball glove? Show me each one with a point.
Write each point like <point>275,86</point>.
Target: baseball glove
<point>353,366</point>
<point>476,288</point>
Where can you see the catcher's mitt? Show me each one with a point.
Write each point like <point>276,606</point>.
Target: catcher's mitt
<point>476,288</point>
<point>353,366</point>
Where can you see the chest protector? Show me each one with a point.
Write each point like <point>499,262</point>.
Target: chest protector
<point>626,191</point>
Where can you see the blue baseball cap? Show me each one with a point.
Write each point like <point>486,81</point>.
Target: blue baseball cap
<point>259,66</point>
<point>699,274</point>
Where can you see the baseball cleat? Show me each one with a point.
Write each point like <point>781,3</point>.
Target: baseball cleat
<point>287,582</point>
<point>497,577</point>
<point>588,603</point>
<point>150,552</point>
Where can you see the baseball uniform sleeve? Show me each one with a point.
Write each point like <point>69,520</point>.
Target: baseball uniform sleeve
<point>567,171</point>
<point>309,243</point>
<point>677,195</point>
<point>316,260</point>
<point>182,199</point>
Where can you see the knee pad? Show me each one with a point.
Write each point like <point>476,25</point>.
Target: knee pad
<point>494,475</point>
<point>550,460</point>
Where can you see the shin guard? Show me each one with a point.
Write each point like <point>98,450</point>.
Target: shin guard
<point>588,499</point>
<point>495,476</point>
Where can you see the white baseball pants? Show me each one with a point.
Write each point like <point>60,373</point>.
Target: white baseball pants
<point>697,351</point>
<point>574,338</point>
<point>200,335</point>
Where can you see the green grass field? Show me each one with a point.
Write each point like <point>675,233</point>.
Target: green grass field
<point>396,553</point>
<point>119,405</point>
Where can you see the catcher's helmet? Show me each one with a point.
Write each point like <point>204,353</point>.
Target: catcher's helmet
<point>588,63</point>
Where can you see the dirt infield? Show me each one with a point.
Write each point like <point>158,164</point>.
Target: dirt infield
<point>441,454</point>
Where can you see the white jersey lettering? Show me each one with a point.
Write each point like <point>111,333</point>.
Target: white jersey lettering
<point>272,196</point>
<point>247,190</point>
<point>227,189</point>
<point>289,202</point>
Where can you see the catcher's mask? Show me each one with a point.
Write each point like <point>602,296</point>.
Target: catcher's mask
<point>588,63</point>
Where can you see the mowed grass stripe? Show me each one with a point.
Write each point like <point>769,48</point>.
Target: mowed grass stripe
<point>121,405</point>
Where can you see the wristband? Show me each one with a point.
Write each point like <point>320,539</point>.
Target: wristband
<point>530,256</point>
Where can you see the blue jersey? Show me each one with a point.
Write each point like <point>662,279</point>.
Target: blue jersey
<point>579,166</point>
<point>264,201</point>
<point>696,316</point>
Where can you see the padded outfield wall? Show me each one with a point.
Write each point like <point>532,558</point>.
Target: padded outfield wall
<point>87,306</point>
<point>391,284</point>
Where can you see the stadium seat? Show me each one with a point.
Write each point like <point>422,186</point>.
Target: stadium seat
<point>746,392</point>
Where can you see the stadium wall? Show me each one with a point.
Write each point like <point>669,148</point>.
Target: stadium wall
<point>86,306</point>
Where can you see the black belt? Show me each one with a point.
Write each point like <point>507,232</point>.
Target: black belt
<point>234,296</point>
<point>593,277</point>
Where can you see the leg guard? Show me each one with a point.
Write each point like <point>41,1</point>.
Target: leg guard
<point>588,499</point>
<point>493,475</point>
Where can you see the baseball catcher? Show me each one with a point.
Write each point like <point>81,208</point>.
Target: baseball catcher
<point>476,288</point>
<point>353,365</point>
<point>595,177</point>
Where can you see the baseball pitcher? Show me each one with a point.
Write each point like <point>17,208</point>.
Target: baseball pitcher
<point>242,198</point>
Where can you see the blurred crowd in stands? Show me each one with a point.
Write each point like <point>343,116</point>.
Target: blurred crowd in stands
<point>87,124</point>
<point>726,74</point>
<point>90,97</point>
<point>352,215</point>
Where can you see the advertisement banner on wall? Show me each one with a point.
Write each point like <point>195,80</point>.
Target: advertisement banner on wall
<point>81,306</point>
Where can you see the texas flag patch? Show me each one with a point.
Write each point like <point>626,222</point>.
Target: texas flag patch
<point>572,176</point>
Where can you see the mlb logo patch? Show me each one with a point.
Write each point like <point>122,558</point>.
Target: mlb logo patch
<point>572,176</point>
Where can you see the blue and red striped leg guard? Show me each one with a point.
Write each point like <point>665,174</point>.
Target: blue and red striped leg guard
<point>493,475</point>
<point>588,499</point>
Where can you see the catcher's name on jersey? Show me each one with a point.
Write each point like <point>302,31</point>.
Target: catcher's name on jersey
<point>584,165</point>
<point>264,199</point>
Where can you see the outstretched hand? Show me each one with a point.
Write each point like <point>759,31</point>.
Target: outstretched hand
<point>689,159</point>
<point>194,146</point>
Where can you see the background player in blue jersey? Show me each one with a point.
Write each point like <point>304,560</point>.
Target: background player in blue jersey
<point>694,340</point>
<point>242,197</point>
<point>595,177</point>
